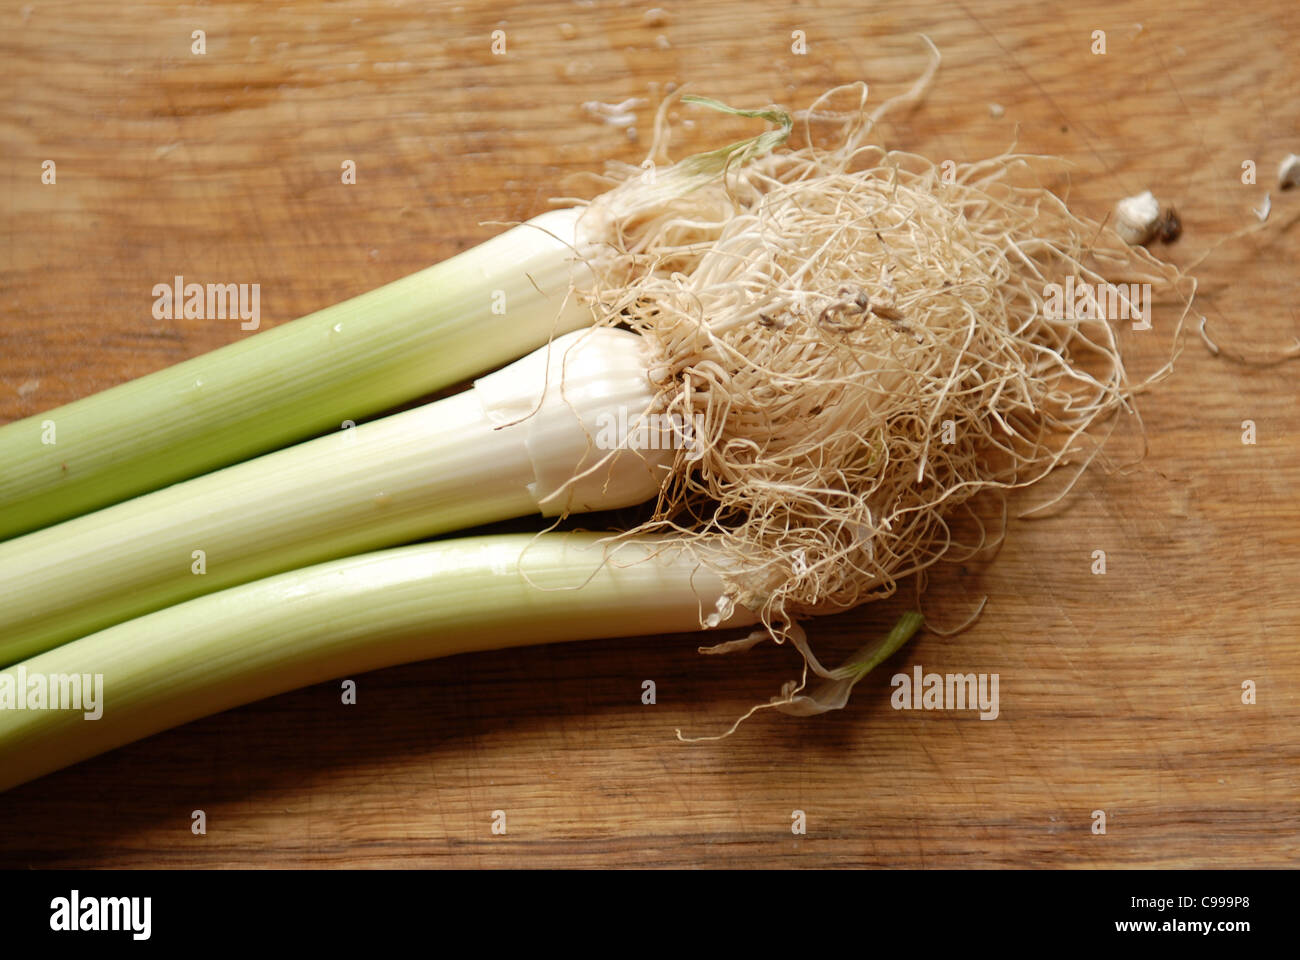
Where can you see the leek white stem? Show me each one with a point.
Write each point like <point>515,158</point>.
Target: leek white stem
<point>474,458</point>
<point>345,617</point>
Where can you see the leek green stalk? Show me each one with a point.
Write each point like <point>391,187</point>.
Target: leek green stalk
<point>342,618</point>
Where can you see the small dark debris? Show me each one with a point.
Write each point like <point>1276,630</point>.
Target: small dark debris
<point>1170,227</point>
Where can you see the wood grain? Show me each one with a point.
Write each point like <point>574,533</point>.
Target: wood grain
<point>1118,692</point>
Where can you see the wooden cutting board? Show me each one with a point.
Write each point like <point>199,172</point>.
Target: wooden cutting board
<point>1119,692</point>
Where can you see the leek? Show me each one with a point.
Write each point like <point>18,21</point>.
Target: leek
<point>341,618</point>
<point>454,320</point>
<point>404,340</point>
<point>517,443</point>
